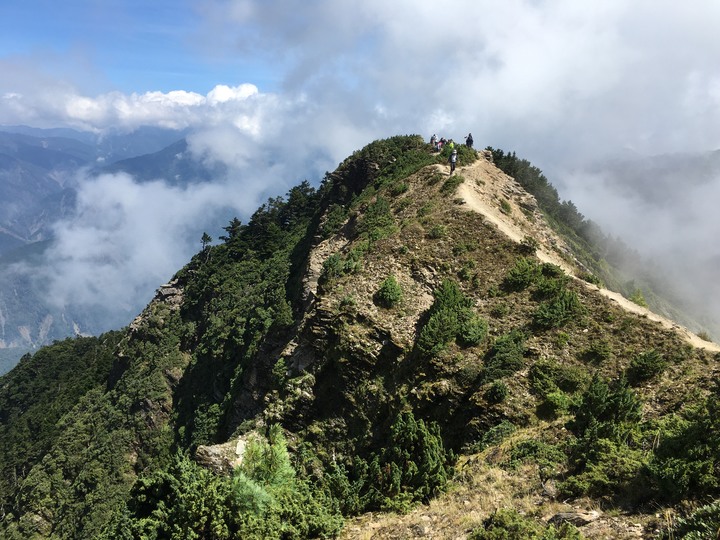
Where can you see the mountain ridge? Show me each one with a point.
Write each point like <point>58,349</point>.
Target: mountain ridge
<point>386,328</point>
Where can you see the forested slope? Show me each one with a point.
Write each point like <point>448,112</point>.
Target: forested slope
<point>342,352</point>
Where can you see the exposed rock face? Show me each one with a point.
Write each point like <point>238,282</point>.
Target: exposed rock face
<point>169,294</point>
<point>579,518</point>
<point>221,458</point>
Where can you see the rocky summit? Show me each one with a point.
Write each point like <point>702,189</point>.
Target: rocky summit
<point>399,353</point>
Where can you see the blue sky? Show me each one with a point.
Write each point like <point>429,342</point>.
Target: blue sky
<point>126,45</point>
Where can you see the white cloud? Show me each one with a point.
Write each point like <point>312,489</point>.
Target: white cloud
<point>126,238</point>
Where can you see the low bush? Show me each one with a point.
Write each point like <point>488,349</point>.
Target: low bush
<point>546,376</point>
<point>550,458</point>
<point>377,221</point>
<point>645,366</point>
<point>522,275</point>
<point>528,245</point>
<point>607,459</point>
<point>412,468</point>
<point>506,356</point>
<point>703,522</point>
<point>614,471</point>
<point>553,405</point>
<point>638,298</point>
<point>398,188</point>
<point>686,462</point>
<point>505,207</point>
<point>335,217</point>
<point>493,436</point>
<point>606,406</point>
<point>557,312</point>
<point>507,524</point>
<point>437,231</point>
<point>591,278</point>
<point>451,184</point>
<point>450,317</point>
<point>389,294</point>
<point>473,329</point>
<point>598,352</point>
<point>497,392</point>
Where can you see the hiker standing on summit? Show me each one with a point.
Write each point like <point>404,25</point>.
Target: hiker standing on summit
<point>452,160</point>
<point>469,140</point>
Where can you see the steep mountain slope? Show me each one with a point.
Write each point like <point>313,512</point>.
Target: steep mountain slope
<point>487,186</point>
<point>35,184</point>
<point>396,335</point>
<point>174,164</point>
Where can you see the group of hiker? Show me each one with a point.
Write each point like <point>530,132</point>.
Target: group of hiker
<point>439,144</point>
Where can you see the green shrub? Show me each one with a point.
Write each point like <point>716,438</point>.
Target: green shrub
<point>437,231</point>
<point>529,245</point>
<point>499,311</point>
<point>377,221</point>
<point>591,278</point>
<point>264,498</point>
<point>336,265</point>
<point>466,245</point>
<point>551,287</point>
<point>557,312</point>
<point>451,184</point>
<point>546,376</point>
<point>561,339</point>
<point>553,405</point>
<point>497,392</point>
<point>508,524</point>
<point>645,366</point>
<point>526,272</point>
<point>334,220</point>
<point>280,372</point>
<point>686,462</point>
<point>506,356</point>
<point>398,188</point>
<point>426,209</point>
<point>607,458</point>
<point>348,302</point>
<point>638,298</point>
<point>473,329</point>
<point>548,457</point>
<point>493,436</point>
<point>468,270</point>
<point>389,294</point>
<point>413,467</point>
<point>440,329</point>
<point>333,266</point>
<point>703,523</point>
<point>606,407</point>
<point>505,207</point>
<point>449,311</point>
<point>598,352</point>
<point>613,470</point>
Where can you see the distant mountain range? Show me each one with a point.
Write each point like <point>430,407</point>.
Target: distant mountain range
<point>38,180</point>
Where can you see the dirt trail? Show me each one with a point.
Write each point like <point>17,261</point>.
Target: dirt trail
<point>483,191</point>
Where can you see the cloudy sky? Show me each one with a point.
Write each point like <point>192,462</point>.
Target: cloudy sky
<point>284,90</point>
